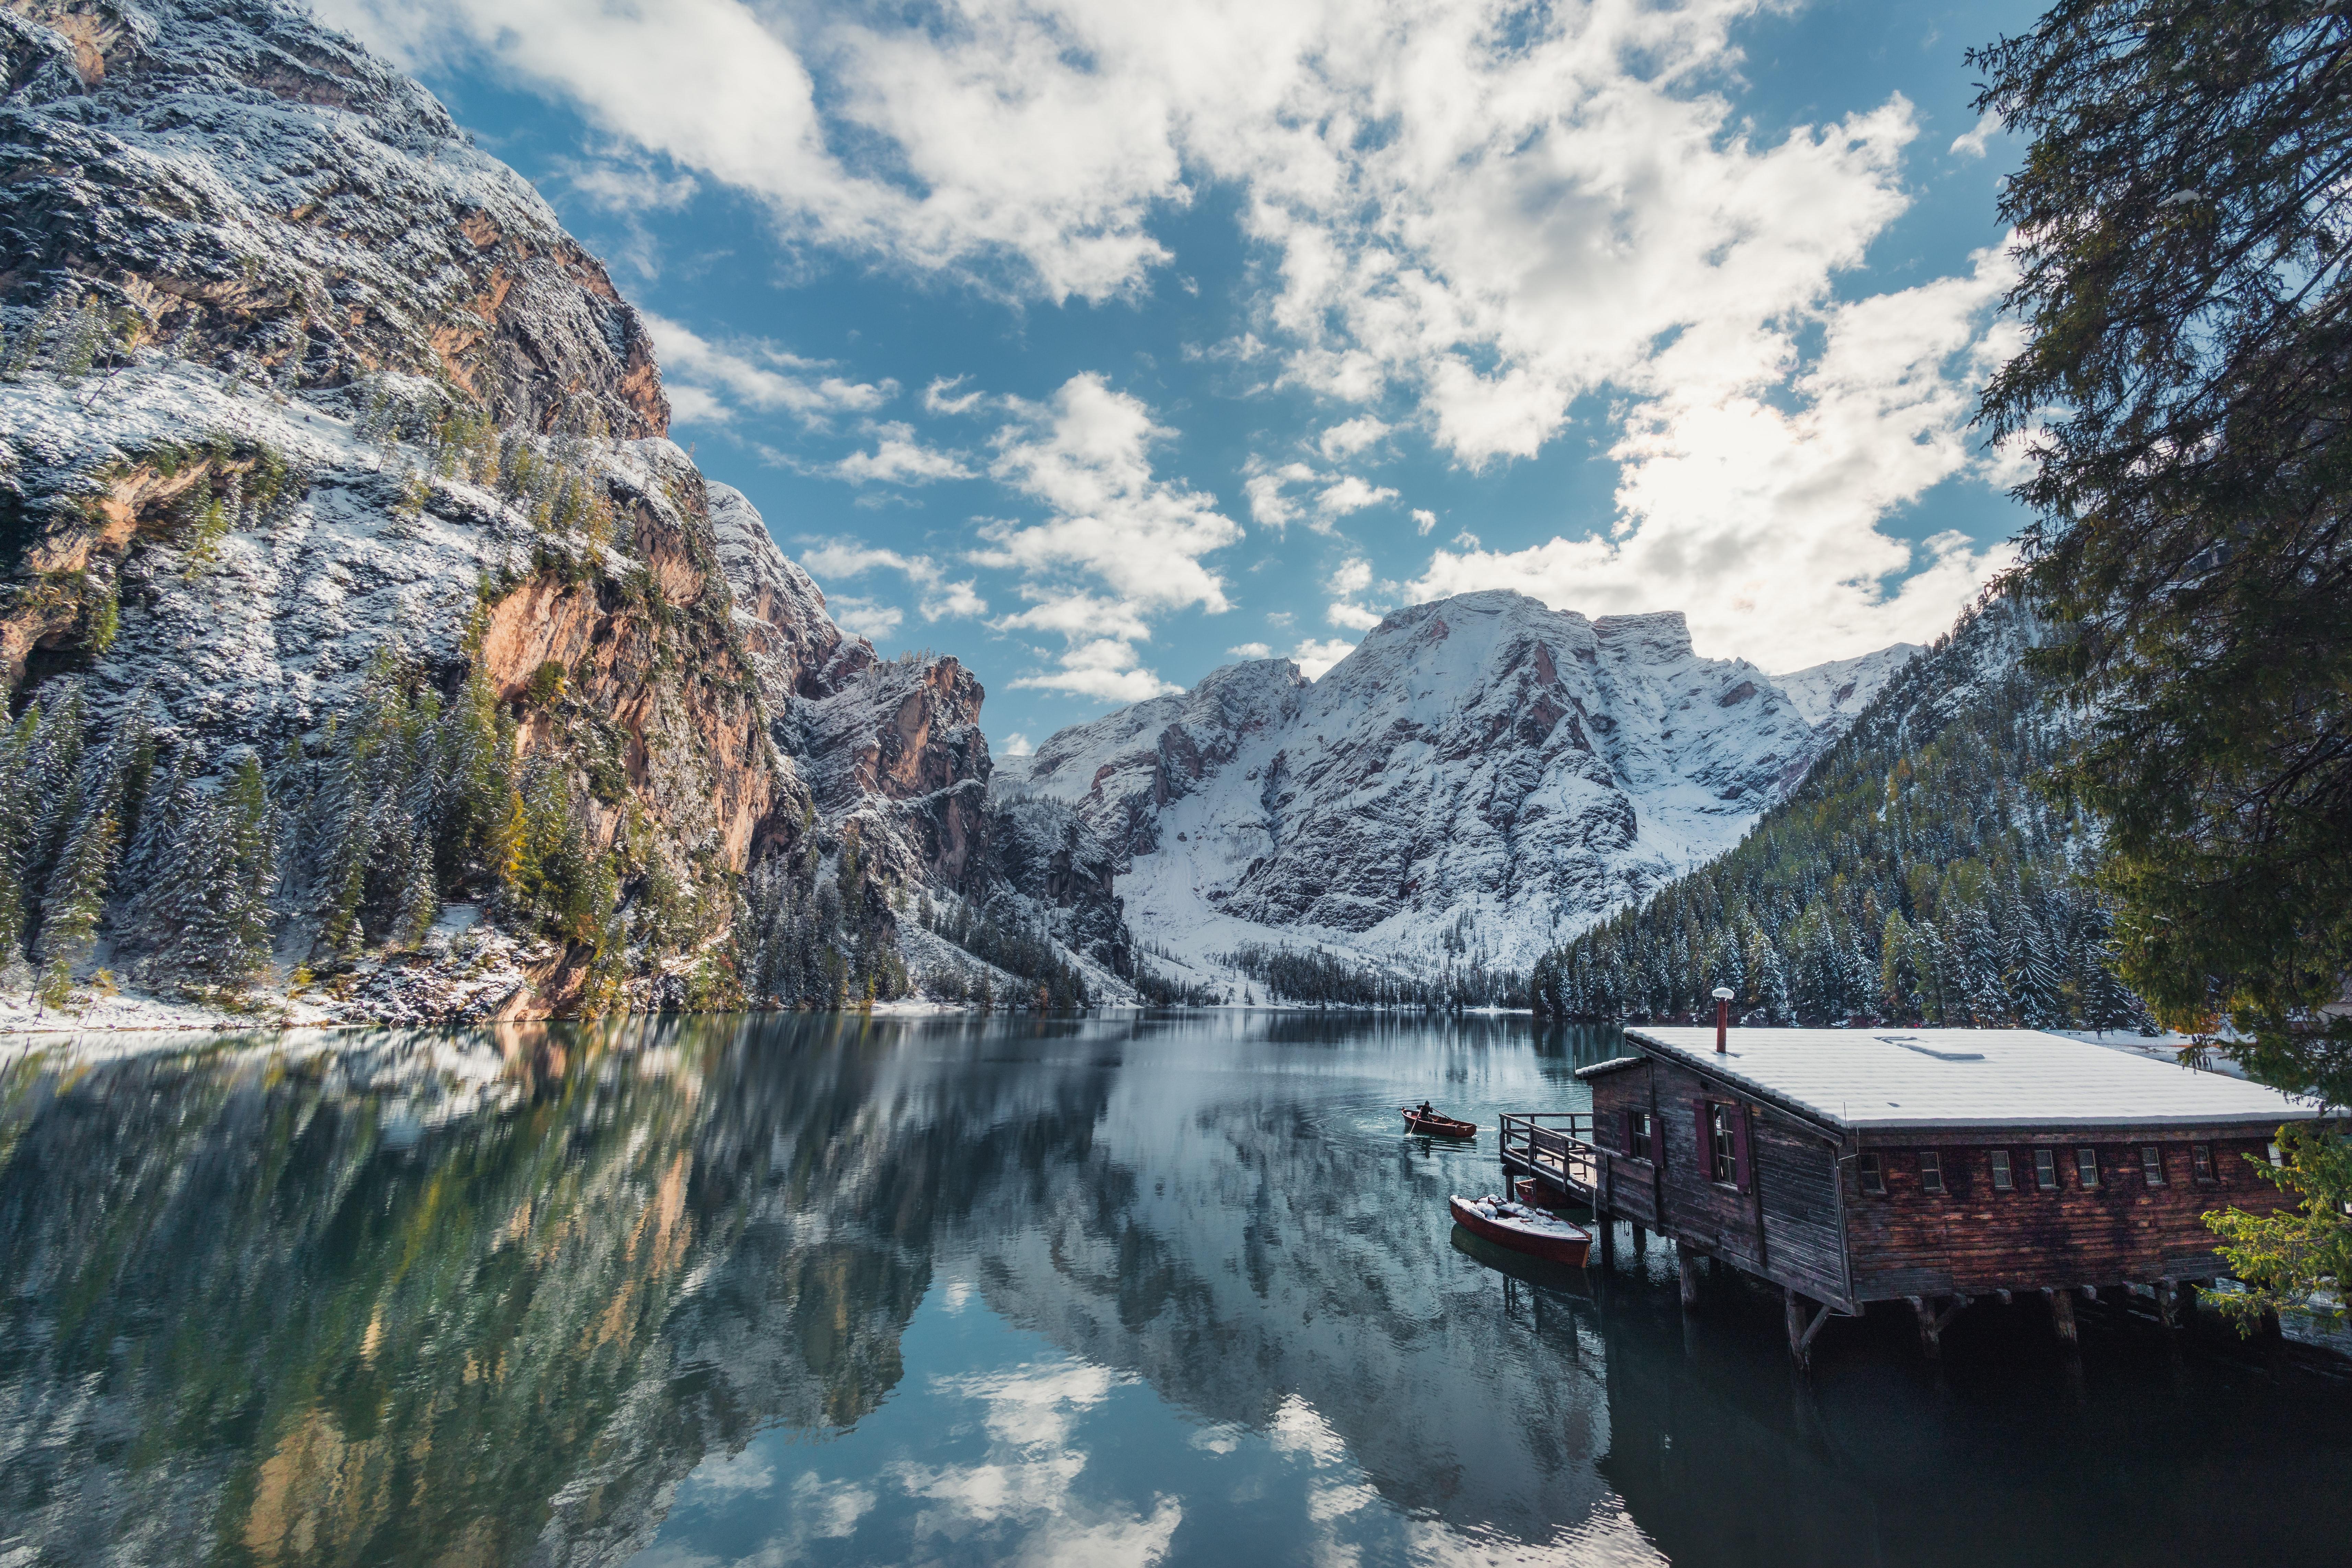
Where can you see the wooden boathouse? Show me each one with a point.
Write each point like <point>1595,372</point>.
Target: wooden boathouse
<point>1932,1166</point>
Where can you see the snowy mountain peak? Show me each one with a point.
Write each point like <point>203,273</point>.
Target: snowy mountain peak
<point>1480,776</point>
<point>1836,692</point>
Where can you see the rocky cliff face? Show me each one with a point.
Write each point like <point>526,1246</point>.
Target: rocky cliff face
<point>324,449</point>
<point>266,195</point>
<point>1479,775</point>
<point>893,754</point>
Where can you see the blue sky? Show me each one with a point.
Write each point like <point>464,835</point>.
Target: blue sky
<point>1100,344</point>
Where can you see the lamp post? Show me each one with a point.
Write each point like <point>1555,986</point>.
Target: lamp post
<point>1722,1019</point>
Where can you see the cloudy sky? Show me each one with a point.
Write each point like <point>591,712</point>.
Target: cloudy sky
<point>1101,342</point>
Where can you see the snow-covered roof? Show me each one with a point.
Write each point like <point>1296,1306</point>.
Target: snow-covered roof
<point>1875,1078</point>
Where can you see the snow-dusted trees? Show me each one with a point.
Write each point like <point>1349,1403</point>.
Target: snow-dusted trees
<point>1917,874</point>
<point>220,869</point>
<point>807,934</point>
<point>192,871</point>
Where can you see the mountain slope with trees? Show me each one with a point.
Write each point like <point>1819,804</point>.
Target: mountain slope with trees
<point>1915,876</point>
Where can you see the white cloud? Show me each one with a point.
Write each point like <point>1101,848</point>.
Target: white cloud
<point>864,617</point>
<point>898,458</point>
<point>1971,143</point>
<point>1424,521</point>
<point>1269,507</point>
<point>938,598</point>
<point>1104,668</point>
<point>1119,544</point>
<point>1267,484</point>
<point>1350,495</point>
<point>1352,578</point>
<point>716,380</point>
<point>1351,437</point>
<point>1251,651</point>
<point>941,397</point>
<point>1489,214</point>
<point>1760,521</point>
<point>626,188</point>
<point>1314,657</point>
<point>1017,745</point>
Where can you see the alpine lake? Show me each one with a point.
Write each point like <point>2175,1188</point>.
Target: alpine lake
<point>1122,1289</point>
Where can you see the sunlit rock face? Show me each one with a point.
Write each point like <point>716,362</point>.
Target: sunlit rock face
<point>361,412</point>
<point>1482,776</point>
<point>260,187</point>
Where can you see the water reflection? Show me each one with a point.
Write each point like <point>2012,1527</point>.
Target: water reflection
<point>779,1290</point>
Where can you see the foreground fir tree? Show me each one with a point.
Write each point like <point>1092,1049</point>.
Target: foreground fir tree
<point>2184,223</point>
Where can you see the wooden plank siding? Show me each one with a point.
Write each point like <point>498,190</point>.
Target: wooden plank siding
<point>1784,1227</point>
<point>1802,1219</point>
<point>1974,1238</point>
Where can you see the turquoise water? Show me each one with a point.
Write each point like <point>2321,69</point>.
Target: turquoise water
<point>833,1291</point>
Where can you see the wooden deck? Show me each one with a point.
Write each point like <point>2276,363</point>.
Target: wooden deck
<point>1556,1148</point>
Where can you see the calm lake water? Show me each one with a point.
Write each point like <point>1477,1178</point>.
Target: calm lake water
<point>1174,1290</point>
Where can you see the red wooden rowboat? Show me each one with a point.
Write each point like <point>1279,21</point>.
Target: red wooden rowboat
<point>1523,1229</point>
<point>1436,1126</point>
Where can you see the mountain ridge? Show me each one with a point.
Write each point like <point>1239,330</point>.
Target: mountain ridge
<point>1480,772</point>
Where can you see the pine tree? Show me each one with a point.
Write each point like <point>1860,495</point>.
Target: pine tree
<point>224,869</point>
<point>16,814</point>
<point>74,900</point>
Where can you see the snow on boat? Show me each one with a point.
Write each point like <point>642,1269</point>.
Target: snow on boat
<point>1436,1126</point>
<point>1522,1229</point>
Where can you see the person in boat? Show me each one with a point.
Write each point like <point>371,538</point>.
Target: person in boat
<point>1425,1110</point>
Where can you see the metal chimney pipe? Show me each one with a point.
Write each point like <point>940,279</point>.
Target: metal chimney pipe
<point>1722,1019</point>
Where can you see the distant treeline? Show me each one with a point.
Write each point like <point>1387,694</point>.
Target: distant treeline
<point>1917,876</point>
<point>1319,977</point>
<point>1049,982</point>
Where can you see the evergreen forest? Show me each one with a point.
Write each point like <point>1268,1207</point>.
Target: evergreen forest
<point>1918,875</point>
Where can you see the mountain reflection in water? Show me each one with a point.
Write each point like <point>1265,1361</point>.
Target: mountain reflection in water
<point>1173,1289</point>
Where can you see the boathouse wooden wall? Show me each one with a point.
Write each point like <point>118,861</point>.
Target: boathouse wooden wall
<point>1973,1238</point>
<point>1803,1219</point>
<point>1784,1225</point>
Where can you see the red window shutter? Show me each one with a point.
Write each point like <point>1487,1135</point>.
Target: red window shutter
<point>1740,1144</point>
<point>1706,1139</point>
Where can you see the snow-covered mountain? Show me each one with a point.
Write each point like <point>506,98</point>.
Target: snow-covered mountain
<point>1483,775</point>
<point>377,655</point>
<point>1833,696</point>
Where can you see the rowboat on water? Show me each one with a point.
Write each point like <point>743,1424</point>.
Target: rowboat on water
<point>1431,1125</point>
<point>1522,1229</point>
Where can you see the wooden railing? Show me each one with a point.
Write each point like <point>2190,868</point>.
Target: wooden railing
<point>1558,1144</point>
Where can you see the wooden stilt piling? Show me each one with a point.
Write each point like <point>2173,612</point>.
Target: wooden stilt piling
<point>2062,1315</point>
<point>1689,1264</point>
<point>1931,1331</point>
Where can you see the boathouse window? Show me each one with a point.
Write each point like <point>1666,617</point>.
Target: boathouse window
<point>2045,1170</point>
<point>2200,1157</point>
<point>2151,1165</point>
<point>1637,1134</point>
<point>1874,1176</point>
<point>2001,1180</point>
<point>1931,1172</point>
<point>2086,1168</point>
<point>1725,1141</point>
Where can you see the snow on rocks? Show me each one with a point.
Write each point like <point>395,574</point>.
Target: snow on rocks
<point>1482,777</point>
<point>264,191</point>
